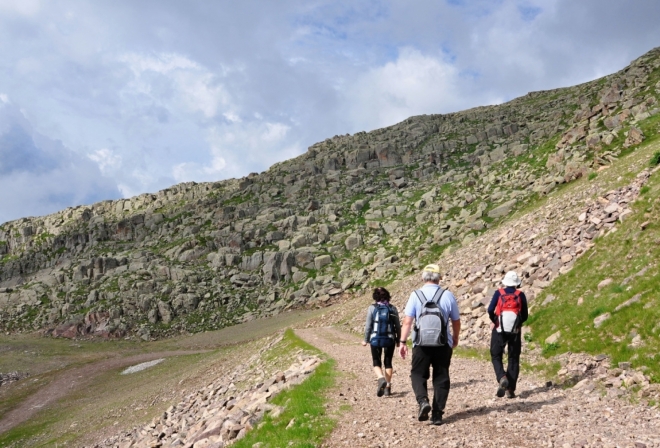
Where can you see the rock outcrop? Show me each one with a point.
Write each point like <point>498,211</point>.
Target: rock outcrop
<point>311,230</point>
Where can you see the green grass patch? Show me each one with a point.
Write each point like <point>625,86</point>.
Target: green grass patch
<point>629,257</point>
<point>480,354</point>
<point>304,409</point>
<point>655,159</point>
<point>547,369</point>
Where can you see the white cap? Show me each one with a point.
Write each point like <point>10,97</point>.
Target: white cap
<point>511,279</point>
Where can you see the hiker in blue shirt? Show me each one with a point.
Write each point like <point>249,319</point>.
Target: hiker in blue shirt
<point>507,312</point>
<point>437,352</point>
<point>382,344</point>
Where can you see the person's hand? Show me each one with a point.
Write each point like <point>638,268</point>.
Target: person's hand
<point>492,325</point>
<point>403,350</point>
<point>454,343</point>
<point>364,344</point>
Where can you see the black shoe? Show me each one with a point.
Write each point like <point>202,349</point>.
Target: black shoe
<point>436,418</point>
<point>501,389</point>
<point>424,409</point>
<point>388,391</point>
<point>382,382</point>
<point>510,393</point>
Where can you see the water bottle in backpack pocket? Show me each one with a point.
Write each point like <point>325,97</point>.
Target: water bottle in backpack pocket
<point>382,333</point>
<point>431,324</point>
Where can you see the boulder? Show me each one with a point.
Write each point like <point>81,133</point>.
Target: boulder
<point>503,209</point>
<point>321,261</point>
<point>353,242</point>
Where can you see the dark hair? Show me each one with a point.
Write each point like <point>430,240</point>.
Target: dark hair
<point>381,294</point>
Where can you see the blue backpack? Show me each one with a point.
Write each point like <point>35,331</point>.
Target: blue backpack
<point>382,334</point>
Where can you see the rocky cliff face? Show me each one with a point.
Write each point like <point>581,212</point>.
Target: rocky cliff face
<point>352,210</point>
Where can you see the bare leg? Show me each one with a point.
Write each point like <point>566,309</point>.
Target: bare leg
<point>388,375</point>
<point>378,371</point>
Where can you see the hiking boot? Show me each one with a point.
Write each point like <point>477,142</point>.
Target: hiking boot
<point>382,382</point>
<point>510,393</point>
<point>388,391</point>
<point>501,389</point>
<point>424,409</point>
<point>436,418</point>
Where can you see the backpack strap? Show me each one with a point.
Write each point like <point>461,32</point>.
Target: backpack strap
<point>438,296</point>
<point>419,293</point>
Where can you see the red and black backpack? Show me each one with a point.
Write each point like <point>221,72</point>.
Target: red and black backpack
<point>509,302</point>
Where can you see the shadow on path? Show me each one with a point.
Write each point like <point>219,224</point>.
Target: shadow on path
<point>536,390</point>
<point>509,407</point>
<point>460,384</point>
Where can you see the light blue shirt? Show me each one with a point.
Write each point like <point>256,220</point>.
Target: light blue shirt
<point>447,304</point>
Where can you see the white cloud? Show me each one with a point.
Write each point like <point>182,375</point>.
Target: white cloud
<point>195,86</point>
<point>127,191</point>
<point>106,159</point>
<point>236,147</point>
<point>42,174</point>
<point>27,66</point>
<point>21,7</point>
<point>207,90</point>
<point>413,84</point>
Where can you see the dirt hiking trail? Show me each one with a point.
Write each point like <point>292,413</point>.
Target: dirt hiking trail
<point>74,379</point>
<point>540,416</point>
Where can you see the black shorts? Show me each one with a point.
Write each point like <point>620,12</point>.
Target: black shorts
<point>377,352</point>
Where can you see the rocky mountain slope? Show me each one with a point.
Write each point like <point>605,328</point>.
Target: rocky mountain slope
<point>351,211</point>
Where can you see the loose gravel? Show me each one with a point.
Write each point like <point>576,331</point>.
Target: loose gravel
<point>539,417</point>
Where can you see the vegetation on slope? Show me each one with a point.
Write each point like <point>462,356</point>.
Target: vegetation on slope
<point>620,278</point>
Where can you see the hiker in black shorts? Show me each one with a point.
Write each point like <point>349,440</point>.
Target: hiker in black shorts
<point>381,332</point>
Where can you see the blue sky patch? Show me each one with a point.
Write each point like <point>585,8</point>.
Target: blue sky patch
<point>529,13</point>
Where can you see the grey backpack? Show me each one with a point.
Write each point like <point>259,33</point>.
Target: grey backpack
<point>431,325</point>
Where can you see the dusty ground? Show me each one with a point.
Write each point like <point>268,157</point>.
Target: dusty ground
<point>474,417</point>
<point>71,380</point>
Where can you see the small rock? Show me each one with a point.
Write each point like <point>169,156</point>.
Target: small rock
<point>600,319</point>
<point>553,338</point>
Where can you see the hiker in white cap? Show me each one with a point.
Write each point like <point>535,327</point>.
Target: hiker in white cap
<point>507,311</point>
<point>431,308</point>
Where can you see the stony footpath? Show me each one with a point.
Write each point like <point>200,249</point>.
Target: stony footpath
<point>223,411</point>
<point>541,416</point>
<point>319,228</point>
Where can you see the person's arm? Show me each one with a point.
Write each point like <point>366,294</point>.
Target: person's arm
<point>524,311</point>
<point>455,331</point>
<point>405,332</point>
<point>455,317</point>
<point>397,325</point>
<point>492,306</point>
<point>368,324</point>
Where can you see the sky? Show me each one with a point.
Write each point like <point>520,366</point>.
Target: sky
<point>103,100</point>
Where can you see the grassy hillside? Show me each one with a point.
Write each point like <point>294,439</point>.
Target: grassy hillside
<point>619,277</point>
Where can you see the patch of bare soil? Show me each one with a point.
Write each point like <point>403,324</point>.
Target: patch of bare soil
<point>540,417</point>
<point>71,380</point>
